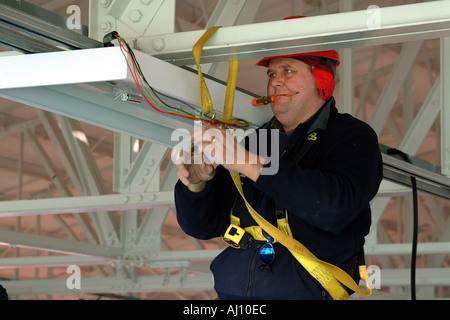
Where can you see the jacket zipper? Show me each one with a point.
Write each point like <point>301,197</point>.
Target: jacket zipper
<point>252,268</point>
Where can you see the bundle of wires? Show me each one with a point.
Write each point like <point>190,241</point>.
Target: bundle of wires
<point>152,97</point>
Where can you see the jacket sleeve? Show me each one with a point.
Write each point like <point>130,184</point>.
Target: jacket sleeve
<point>206,215</point>
<point>333,190</point>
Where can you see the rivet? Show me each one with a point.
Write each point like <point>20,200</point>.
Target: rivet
<point>159,44</point>
<point>135,16</point>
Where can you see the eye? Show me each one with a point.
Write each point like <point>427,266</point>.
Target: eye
<point>271,75</point>
<point>288,71</point>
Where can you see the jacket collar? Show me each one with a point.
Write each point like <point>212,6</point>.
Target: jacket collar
<point>318,121</point>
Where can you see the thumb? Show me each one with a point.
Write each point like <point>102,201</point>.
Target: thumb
<point>209,170</point>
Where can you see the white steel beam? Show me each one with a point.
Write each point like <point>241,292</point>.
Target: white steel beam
<point>56,136</point>
<point>424,277</point>
<point>144,173</point>
<point>99,106</point>
<point>37,242</point>
<point>131,17</point>
<point>445,106</point>
<point>390,94</point>
<point>128,229</point>
<point>54,132</point>
<point>68,67</point>
<point>51,261</point>
<point>91,180</point>
<point>123,159</point>
<point>164,282</point>
<point>410,144</point>
<point>49,167</point>
<point>80,103</point>
<point>19,127</point>
<point>442,234</point>
<point>425,248</point>
<point>230,13</point>
<point>156,259</point>
<point>86,204</point>
<point>404,23</point>
<point>423,122</point>
<point>389,277</point>
<point>392,189</point>
<point>149,233</point>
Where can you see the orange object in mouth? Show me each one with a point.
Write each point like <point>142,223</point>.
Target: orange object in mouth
<point>266,100</point>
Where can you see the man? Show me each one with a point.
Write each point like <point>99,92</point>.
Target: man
<point>325,191</point>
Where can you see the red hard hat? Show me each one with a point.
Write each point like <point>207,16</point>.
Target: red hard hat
<point>323,65</point>
<point>328,54</point>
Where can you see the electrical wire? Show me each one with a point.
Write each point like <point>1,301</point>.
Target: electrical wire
<point>153,97</point>
<point>414,242</point>
<point>415,223</point>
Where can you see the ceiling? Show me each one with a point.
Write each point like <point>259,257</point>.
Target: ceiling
<point>32,166</point>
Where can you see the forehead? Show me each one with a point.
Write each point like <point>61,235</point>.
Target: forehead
<point>282,62</point>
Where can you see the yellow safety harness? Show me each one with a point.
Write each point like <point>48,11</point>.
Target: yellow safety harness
<point>328,275</point>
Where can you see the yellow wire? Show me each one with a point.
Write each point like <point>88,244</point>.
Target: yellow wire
<point>157,102</point>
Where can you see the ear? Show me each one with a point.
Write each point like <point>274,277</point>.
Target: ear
<point>325,82</point>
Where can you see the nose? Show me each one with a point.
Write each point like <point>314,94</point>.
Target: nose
<point>277,80</point>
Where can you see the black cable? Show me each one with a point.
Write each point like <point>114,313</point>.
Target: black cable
<point>415,223</point>
<point>414,243</point>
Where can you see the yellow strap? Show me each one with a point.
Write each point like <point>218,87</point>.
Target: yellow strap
<point>327,274</point>
<point>283,225</point>
<point>313,266</point>
<point>257,231</point>
<point>205,96</point>
<point>231,89</point>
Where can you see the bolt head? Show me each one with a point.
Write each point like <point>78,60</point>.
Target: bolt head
<point>136,16</point>
<point>159,44</point>
<point>105,3</point>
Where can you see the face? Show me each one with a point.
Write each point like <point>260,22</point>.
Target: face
<point>287,75</point>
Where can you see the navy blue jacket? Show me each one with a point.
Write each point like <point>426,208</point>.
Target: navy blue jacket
<point>3,293</point>
<point>326,194</point>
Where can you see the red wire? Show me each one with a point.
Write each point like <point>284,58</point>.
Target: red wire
<point>136,81</point>
<point>134,75</point>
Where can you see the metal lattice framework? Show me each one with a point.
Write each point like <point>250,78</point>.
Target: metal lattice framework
<point>87,176</point>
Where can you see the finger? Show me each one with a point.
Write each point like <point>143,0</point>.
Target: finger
<point>207,159</point>
<point>183,171</point>
<point>210,171</point>
<point>183,178</point>
<point>209,154</point>
<point>196,137</point>
<point>205,172</point>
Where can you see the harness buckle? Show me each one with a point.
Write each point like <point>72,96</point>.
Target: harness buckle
<point>237,238</point>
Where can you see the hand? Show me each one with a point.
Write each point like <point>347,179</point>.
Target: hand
<point>194,169</point>
<point>195,176</point>
<point>220,147</point>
